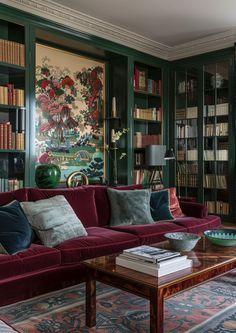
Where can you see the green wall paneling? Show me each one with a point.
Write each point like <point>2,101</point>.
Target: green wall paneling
<point>121,61</point>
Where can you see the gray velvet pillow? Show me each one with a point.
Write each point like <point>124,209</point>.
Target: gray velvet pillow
<point>53,220</point>
<point>129,207</point>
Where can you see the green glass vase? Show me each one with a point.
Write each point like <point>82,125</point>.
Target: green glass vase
<point>47,175</point>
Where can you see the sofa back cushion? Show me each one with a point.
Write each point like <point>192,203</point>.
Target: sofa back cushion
<point>102,201</point>
<point>7,197</point>
<point>82,200</point>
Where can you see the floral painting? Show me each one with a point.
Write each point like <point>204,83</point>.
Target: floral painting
<point>69,112</point>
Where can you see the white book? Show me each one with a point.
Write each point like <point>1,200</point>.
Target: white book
<point>151,269</point>
<point>171,261</point>
<point>150,253</point>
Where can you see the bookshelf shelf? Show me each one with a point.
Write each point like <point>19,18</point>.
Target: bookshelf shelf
<point>143,92</point>
<point>147,121</point>
<point>10,68</point>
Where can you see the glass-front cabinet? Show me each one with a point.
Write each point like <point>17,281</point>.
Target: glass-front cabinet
<point>186,132</point>
<point>216,137</point>
<point>204,138</point>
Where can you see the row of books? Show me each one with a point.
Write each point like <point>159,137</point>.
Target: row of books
<point>10,140</point>
<point>139,159</point>
<point>187,113</point>
<point>143,83</point>
<point>147,177</point>
<point>187,180</point>
<point>186,131</point>
<point>12,52</point>
<point>188,168</point>
<point>218,207</point>
<point>10,184</point>
<point>186,87</point>
<point>11,96</point>
<point>216,110</point>
<point>215,181</point>
<point>153,261</point>
<point>142,140</point>
<point>189,155</point>
<point>219,129</point>
<point>215,155</point>
<point>148,114</point>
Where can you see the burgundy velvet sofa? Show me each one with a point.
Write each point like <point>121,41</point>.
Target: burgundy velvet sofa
<point>41,269</point>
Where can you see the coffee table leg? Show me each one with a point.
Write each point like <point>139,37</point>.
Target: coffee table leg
<point>156,312</point>
<point>90,302</point>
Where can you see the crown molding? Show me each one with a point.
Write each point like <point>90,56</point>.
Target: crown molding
<point>89,25</point>
<point>207,44</point>
<point>92,26</point>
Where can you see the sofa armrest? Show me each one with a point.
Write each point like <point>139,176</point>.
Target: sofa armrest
<point>193,209</point>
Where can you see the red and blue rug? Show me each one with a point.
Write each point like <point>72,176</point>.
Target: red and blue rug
<point>208,308</point>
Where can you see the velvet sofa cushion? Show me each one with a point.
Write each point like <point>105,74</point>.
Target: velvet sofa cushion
<point>99,242</point>
<point>160,206</point>
<point>194,209</point>
<point>129,207</point>
<point>102,201</point>
<point>35,258</point>
<point>53,220</point>
<point>15,230</point>
<point>151,233</point>
<point>82,200</point>
<point>198,225</point>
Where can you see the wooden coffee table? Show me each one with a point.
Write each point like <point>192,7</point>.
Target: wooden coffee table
<point>209,261</point>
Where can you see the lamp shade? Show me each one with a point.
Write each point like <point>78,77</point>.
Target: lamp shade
<point>154,155</point>
<point>169,155</point>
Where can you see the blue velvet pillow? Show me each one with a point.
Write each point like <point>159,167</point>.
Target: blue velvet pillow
<point>160,206</point>
<point>129,207</point>
<point>15,230</point>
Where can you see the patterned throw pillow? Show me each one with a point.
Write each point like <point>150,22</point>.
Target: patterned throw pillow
<point>129,207</point>
<point>160,206</point>
<point>53,220</point>
<point>15,230</point>
<point>174,203</point>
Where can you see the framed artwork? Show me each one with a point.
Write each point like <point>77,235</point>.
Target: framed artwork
<point>69,118</point>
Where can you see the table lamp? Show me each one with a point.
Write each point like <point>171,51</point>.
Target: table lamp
<point>154,157</point>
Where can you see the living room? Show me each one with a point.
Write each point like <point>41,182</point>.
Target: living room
<point>88,97</point>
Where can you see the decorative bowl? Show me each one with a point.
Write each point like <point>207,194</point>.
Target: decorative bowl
<point>182,241</point>
<point>223,237</point>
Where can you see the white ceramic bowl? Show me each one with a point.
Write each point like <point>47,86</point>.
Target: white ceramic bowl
<point>182,241</point>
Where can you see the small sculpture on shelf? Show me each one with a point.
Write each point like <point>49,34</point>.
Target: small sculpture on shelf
<point>115,137</point>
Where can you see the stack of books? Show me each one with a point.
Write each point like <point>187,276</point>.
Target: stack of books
<point>153,261</point>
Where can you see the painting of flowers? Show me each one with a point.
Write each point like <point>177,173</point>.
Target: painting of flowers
<point>69,112</point>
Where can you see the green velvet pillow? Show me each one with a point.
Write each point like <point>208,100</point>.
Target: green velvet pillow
<point>160,206</point>
<point>129,207</point>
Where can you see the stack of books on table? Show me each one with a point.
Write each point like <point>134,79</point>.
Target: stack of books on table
<point>152,260</point>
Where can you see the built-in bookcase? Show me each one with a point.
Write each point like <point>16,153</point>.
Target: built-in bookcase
<point>147,117</point>
<point>12,106</point>
<point>216,137</point>
<point>186,132</point>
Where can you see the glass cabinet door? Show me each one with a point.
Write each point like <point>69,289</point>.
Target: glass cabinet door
<point>186,132</point>
<point>215,137</point>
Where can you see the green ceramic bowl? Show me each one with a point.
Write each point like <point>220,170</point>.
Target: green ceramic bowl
<point>222,237</point>
<point>182,241</point>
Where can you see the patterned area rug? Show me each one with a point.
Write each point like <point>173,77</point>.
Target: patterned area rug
<point>208,308</point>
